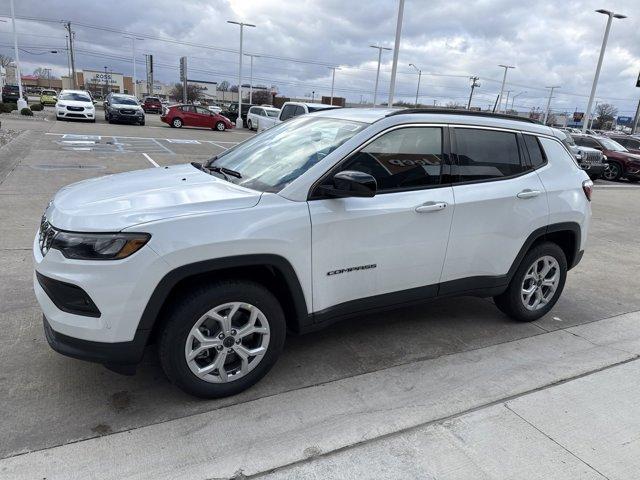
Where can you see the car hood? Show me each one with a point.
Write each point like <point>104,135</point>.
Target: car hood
<point>114,202</point>
<point>76,103</point>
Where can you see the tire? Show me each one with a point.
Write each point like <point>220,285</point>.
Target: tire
<point>220,126</point>
<point>612,171</point>
<point>512,303</point>
<point>176,123</point>
<point>180,323</point>
<point>249,124</point>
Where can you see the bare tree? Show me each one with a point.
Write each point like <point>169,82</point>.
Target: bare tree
<point>452,104</point>
<point>261,96</point>
<point>5,60</point>
<point>223,86</point>
<point>41,73</point>
<point>193,92</point>
<point>606,112</point>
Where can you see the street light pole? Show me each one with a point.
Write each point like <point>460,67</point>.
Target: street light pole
<point>504,79</point>
<point>546,113</point>
<point>611,16</point>
<point>241,25</point>
<point>506,104</point>
<point>133,46</point>
<point>396,51</point>
<point>21,101</point>
<point>513,99</point>
<point>375,92</point>
<point>251,57</point>
<point>419,76</point>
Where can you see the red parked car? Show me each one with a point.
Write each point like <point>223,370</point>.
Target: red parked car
<point>178,116</point>
<point>152,104</point>
<point>620,161</point>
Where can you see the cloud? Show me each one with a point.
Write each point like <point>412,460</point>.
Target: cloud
<point>550,43</point>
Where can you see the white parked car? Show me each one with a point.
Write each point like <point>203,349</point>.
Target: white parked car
<point>75,104</point>
<point>291,110</point>
<point>257,114</point>
<point>327,215</point>
<point>214,108</point>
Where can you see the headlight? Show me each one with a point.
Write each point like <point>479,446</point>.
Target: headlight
<point>604,158</point>
<point>61,105</point>
<point>578,156</point>
<point>99,246</point>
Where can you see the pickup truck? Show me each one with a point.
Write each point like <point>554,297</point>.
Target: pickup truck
<point>290,110</point>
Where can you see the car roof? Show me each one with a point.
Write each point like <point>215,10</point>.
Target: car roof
<point>74,91</point>
<point>401,116</point>
<point>317,106</point>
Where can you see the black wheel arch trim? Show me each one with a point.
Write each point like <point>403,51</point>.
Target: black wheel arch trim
<point>171,279</point>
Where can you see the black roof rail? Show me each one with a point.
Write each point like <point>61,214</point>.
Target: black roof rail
<point>453,111</point>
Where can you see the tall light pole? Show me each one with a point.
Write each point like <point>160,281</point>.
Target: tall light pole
<point>513,99</point>
<point>21,101</point>
<point>474,84</point>
<point>333,81</point>
<point>611,16</point>
<point>133,58</point>
<point>546,112</point>
<point>506,103</point>
<point>504,79</point>
<point>419,77</point>
<point>251,57</point>
<point>375,92</point>
<point>241,25</point>
<point>396,51</point>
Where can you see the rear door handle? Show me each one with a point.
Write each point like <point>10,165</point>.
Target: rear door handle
<point>431,207</point>
<point>528,193</point>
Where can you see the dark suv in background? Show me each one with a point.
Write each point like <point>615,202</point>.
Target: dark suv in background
<point>630,143</point>
<point>11,93</point>
<point>620,161</point>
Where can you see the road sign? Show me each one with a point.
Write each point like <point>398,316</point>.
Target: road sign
<point>624,120</point>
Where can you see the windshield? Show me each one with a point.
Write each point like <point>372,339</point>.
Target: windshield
<point>611,145</point>
<point>568,140</point>
<point>78,97</point>
<point>50,93</point>
<point>124,101</point>
<point>272,113</point>
<point>270,161</point>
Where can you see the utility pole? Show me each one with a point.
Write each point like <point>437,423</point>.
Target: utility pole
<point>74,84</point>
<point>546,113</point>
<point>419,76</point>
<point>333,81</point>
<point>513,99</point>
<point>241,25</point>
<point>474,84</point>
<point>375,91</point>
<point>504,79</point>
<point>48,70</point>
<point>506,104</point>
<point>183,78</point>
<point>396,51</point>
<point>66,43</point>
<point>106,89</point>
<point>611,16</point>
<point>251,56</point>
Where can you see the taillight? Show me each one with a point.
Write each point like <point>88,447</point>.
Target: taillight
<point>587,188</point>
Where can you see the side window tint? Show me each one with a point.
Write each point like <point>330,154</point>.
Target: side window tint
<point>487,154</point>
<point>404,158</point>
<point>287,112</point>
<point>299,111</point>
<point>535,152</point>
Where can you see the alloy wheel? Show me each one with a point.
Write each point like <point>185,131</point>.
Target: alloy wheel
<point>611,171</point>
<point>540,283</point>
<point>227,342</point>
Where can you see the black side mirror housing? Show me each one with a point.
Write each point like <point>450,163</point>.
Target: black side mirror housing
<point>351,183</point>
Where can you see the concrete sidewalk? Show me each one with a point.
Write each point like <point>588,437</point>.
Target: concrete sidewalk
<point>557,405</point>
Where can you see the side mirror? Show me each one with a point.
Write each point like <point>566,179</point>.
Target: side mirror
<point>351,183</point>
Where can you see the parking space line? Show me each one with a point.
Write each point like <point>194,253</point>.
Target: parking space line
<point>151,160</point>
<point>217,145</point>
<point>162,146</point>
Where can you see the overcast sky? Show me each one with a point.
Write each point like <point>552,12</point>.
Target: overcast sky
<point>551,42</point>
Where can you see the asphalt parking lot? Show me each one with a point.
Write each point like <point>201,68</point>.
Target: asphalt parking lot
<point>49,400</point>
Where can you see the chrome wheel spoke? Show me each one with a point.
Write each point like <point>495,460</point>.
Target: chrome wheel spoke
<point>540,283</point>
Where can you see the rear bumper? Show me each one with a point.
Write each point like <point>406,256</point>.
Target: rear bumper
<point>121,357</point>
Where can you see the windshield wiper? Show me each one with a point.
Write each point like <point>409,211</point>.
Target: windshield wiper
<point>225,171</point>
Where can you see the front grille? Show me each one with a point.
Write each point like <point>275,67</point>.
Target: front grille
<point>592,157</point>
<point>45,235</point>
<point>75,109</point>
<point>127,111</point>
<point>76,115</point>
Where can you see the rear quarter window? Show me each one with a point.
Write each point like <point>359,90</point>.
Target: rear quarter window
<point>536,154</point>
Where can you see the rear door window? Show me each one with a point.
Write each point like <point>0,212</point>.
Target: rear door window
<point>536,155</point>
<point>487,154</point>
<point>288,111</point>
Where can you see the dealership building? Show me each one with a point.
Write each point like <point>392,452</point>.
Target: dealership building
<point>100,82</point>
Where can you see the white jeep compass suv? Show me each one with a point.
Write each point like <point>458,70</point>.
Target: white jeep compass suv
<point>329,214</point>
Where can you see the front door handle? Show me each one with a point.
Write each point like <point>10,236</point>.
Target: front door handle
<point>431,207</point>
<point>528,193</point>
